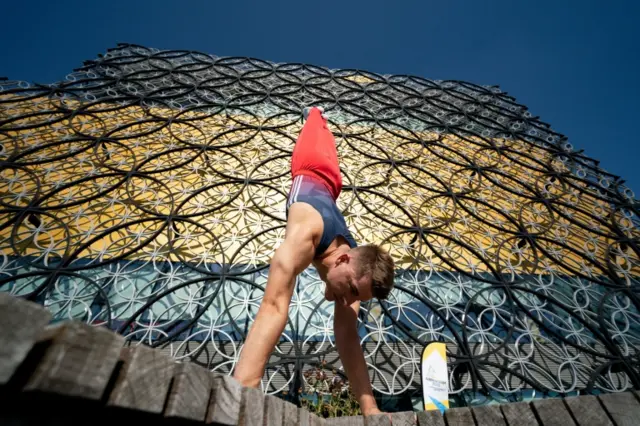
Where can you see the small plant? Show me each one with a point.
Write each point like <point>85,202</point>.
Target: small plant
<point>328,395</point>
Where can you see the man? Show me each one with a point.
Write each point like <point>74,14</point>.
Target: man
<point>317,234</point>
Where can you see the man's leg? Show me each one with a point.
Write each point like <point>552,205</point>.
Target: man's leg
<point>315,153</point>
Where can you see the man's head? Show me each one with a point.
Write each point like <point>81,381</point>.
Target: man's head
<point>360,274</point>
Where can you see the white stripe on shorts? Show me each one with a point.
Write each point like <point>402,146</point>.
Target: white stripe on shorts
<point>295,189</point>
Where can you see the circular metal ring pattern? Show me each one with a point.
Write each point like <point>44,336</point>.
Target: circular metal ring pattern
<point>146,193</point>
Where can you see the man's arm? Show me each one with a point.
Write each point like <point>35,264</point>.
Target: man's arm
<point>291,258</point>
<point>345,329</point>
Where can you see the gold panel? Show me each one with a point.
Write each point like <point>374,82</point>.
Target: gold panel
<point>231,172</point>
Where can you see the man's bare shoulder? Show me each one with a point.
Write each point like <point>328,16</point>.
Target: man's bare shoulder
<point>305,220</point>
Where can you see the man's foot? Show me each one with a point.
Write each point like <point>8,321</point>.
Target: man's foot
<point>307,110</point>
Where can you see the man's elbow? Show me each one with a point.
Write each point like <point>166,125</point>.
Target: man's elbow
<point>275,307</point>
<point>277,302</point>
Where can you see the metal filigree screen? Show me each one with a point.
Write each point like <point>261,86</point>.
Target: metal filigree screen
<point>146,193</point>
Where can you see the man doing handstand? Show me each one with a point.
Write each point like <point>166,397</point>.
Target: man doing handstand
<point>317,234</point>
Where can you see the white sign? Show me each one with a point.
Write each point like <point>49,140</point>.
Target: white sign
<point>435,384</point>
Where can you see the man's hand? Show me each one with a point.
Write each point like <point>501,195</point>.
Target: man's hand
<point>372,412</point>
<point>376,412</point>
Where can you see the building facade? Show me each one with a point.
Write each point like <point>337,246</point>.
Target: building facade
<point>146,194</point>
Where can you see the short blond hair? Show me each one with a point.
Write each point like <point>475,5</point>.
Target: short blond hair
<point>372,260</point>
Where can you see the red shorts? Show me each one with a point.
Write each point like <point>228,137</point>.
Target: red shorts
<point>315,154</point>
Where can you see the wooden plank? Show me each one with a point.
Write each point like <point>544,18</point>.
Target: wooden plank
<point>251,407</point>
<point>519,413</point>
<point>22,322</point>
<point>144,380</point>
<point>552,412</point>
<point>488,415</point>
<point>190,393</point>
<point>78,362</point>
<point>459,417</point>
<point>404,418</point>
<point>377,420</point>
<point>290,414</point>
<point>623,408</point>
<point>587,411</point>
<point>317,420</point>
<point>345,421</point>
<point>274,411</point>
<point>304,417</point>
<point>224,406</point>
<point>430,418</point>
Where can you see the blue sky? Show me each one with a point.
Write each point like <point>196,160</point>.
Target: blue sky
<point>573,63</point>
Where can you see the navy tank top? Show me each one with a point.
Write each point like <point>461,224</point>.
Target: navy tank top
<point>312,191</point>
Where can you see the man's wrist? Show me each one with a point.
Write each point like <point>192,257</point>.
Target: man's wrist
<point>371,411</point>
<point>368,406</point>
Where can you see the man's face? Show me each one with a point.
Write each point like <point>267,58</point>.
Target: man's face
<point>342,285</point>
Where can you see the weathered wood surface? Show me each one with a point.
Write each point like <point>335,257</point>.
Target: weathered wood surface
<point>316,420</point>
<point>290,414</point>
<point>346,421</point>
<point>588,411</point>
<point>304,417</point>
<point>519,413</point>
<point>78,362</point>
<point>224,407</point>
<point>273,410</point>
<point>143,381</point>
<point>377,420</point>
<point>190,393</point>
<point>251,408</point>
<point>459,417</point>
<point>430,418</point>
<point>20,326</point>
<point>552,412</point>
<point>488,415</point>
<point>623,408</point>
<point>405,418</point>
